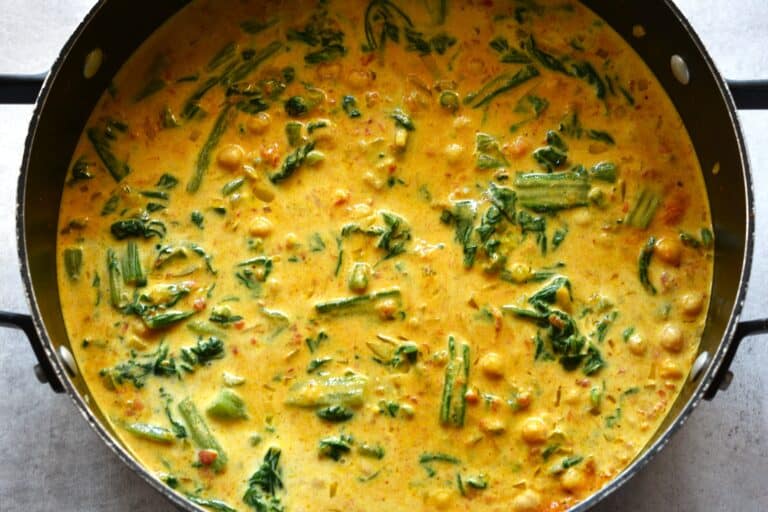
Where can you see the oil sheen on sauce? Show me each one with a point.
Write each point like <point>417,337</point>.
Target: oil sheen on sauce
<point>385,256</point>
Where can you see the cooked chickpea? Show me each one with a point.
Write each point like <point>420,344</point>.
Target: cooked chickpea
<point>671,338</point>
<point>386,309</point>
<point>493,425</point>
<point>263,191</point>
<point>670,370</point>
<point>492,365</point>
<point>669,251</point>
<point>526,501</point>
<point>230,156</point>
<point>291,240</point>
<point>636,344</point>
<point>258,123</point>
<point>461,121</point>
<point>359,79</point>
<point>340,196</point>
<point>260,226</point>
<point>520,272</point>
<point>453,153</point>
<point>572,480</point>
<point>534,430</point>
<point>692,303</point>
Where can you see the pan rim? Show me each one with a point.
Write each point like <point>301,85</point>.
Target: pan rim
<point>179,500</point>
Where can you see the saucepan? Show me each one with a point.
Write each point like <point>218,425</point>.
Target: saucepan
<point>116,28</point>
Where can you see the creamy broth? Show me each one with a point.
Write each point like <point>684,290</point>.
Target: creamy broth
<point>385,256</point>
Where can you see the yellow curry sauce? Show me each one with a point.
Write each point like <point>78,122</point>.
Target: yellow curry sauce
<point>386,255</point>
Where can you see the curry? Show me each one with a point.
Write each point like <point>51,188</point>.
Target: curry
<point>385,255</point>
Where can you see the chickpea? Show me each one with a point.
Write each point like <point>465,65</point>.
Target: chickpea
<point>671,338</point>
<point>261,226</point>
<point>340,196</point>
<point>519,147</point>
<point>669,251</point>
<point>636,344</point>
<point>526,501</point>
<point>534,430</point>
<point>442,499</point>
<point>453,153</point>
<point>692,303</point>
<point>572,480</point>
<point>495,426</point>
<point>259,123</point>
<point>291,240</point>
<point>263,191</point>
<point>359,79</point>
<point>670,370</point>
<point>231,156</point>
<point>461,121</point>
<point>386,309</point>
<point>492,365</point>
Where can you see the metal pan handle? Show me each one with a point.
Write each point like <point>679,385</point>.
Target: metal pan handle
<point>722,378</point>
<point>15,89</point>
<point>44,369</point>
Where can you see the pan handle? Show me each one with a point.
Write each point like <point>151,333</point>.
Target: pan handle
<point>723,376</point>
<point>44,369</point>
<point>748,94</point>
<point>17,89</point>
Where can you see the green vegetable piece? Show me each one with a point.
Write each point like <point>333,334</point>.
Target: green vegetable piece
<point>166,319</point>
<point>264,484</point>
<point>336,447</point>
<point>604,171</point>
<point>204,156</point>
<point>292,163</point>
<point>335,413</point>
<point>368,450</point>
<point>449,100</point>
<point>453,401</point>
<point>80,171</point>
<point>293,132</point>
<point>550,157</point>
<point>296,106</point>
<point>140,227</point>
<point>643,262</point>
<point>641,214</point>
<point>132,270</point>
<point>601,136</point>
<point>200,434</point>
<point>232,186</point>
<point>150,432</point>
<point>488,152</point>
<point>349,104</point>
<point>347,390</point>
<point>102,144</point>
<point>355,304</point>
<point>73,262</point>
<point>227,406</point>
<point>359,276</point>
<point>402,119</point>
<point>551,192</point>
<point>318,363</point>
<point>500,85</point>
<point>117,299</point>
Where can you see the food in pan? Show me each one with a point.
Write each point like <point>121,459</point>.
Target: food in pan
<point>385,256</point>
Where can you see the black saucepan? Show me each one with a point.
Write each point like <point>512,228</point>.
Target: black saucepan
<point>117,27</point>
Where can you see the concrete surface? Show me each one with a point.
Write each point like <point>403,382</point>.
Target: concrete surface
<point>52,461</point>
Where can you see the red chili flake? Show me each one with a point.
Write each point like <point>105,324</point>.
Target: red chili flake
<point>235,350</point>
<point>239,325</point>
<point>199,304</point>
<point>367,58</point>
<point>207,457</point>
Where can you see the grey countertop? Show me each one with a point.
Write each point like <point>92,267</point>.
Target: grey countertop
<point>53,461</point>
